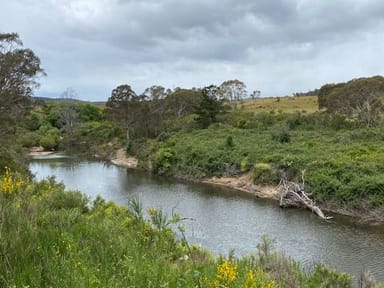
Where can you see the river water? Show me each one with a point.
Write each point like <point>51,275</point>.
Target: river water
<point>222,220</point>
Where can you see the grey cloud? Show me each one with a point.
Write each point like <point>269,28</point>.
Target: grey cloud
<point>97,44</point>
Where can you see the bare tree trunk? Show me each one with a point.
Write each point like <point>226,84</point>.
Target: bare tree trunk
<point>293,195</point>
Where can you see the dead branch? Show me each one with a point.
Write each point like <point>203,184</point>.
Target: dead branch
<point>293,195</point>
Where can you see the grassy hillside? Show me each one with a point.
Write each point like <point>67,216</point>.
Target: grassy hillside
<point>284,104</point>
<point>343,164</point>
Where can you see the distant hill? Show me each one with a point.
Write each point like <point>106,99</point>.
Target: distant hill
<point>48,99</point>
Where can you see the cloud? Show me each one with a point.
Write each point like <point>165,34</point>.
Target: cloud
<point>279,47</point>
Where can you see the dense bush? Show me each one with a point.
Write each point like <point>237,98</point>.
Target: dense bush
<point>334,161</point>
<point>281,134</point>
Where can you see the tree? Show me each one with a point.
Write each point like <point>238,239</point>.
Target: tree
<point>155,92</point>
<point>182,102</point>
<point>363,97</point>
<point>19,69</point>
<point>209,107</point>
<point>69,94</point>
<point>255,94</point>
<point>233,91</point>
<point>68,111</point>
<point>124,107</point>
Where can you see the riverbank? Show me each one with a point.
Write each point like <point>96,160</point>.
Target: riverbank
<point>121,159</point>
<point>39,151</point>
<point>244,183</point>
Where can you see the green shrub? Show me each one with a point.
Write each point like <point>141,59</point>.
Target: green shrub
<point>163,160</point>
<point>229,142</point>
<point>323,276</point>
<point>281,134</point>
<point>244,164</point>
<point>49,142</point>
<point>49,137</point>
<point>262,173</point>
<point>28,139</point>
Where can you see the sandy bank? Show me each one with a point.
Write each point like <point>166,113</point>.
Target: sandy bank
<point>39,151</point>
<point>121,159</point>
<point>245,184</point>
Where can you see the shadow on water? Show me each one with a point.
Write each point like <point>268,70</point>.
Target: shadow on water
<point>226,219</point>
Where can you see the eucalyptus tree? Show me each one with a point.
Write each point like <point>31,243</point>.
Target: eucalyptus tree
<point>19,70</point>
<point>233,91</point>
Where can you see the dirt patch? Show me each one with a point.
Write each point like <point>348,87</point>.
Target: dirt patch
<point>244,183</point>
<point>121,159</point>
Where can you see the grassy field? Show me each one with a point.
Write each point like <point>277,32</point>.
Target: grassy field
<point>282,104</point>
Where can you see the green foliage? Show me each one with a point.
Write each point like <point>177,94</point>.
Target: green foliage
<point>342,166</point>
<point>49,137</point>
<point>209,107</point>
<point>19,69</point>
<point>89,112</point>
<point>163,160</point>
<point>363,97</point>
<point>229,141</point>
<point>323,276</point>
<point>54,238</point>
<point>281,134</point>
<point>181,102</point>
<point>27,138</point>
<point>244,164</point>
<point>262,173</point>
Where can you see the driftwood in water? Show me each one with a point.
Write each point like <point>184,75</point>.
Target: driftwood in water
<point>293,195</point>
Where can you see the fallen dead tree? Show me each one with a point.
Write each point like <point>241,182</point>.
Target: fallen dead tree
<point>293,195</point>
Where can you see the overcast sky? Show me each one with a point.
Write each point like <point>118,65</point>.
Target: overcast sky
<point>276,46</point>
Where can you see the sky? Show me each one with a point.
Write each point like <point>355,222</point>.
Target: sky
<point>276,46</point>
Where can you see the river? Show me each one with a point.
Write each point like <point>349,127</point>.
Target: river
<point>222,219</point>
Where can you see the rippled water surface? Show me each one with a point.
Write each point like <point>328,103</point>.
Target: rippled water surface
<point>222,220</point>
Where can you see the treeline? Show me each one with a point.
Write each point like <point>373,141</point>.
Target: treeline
<point>150,113</point>
<point>360,99</point>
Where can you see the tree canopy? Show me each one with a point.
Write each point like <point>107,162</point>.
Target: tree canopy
<point>19,69</point>
<point>209,107</point>
<point>182,101</point>
<point>123,107</point>
<point>233,91</point>
<point>363,97</point>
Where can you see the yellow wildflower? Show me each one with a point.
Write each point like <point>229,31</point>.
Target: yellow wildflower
<point>226,274</point>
